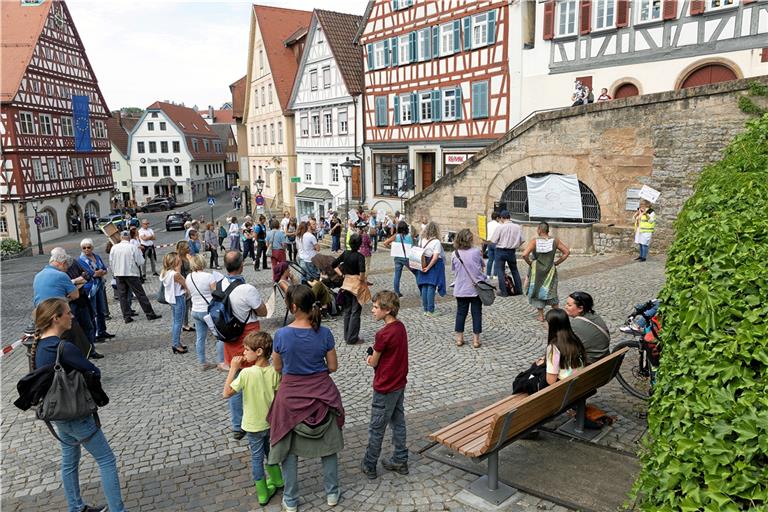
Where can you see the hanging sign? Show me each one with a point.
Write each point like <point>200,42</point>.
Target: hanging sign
<point>649,194</point>
<point>554,196</point>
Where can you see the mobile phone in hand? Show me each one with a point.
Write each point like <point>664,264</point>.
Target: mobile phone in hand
<point>369,351</point>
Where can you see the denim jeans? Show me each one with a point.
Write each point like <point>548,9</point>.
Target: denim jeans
<point>428,298</point>
<point>507,256</point>
<point>76,430</point>
<point>84,316</point>
<point>258,442</point>
<point>463,305</point>
<point>291,477</point>
<point>177,313</point>
<point>310,270</point>
<point>248,249</point>
<point>335,243</point>
<point>644,251</point>
<point>236,408</point>
<point>491,259</point>
<point>99,305</point>
<point>219,351</point>
<point>201,331</point>
<point>387,408</point>
<point>400,264</point>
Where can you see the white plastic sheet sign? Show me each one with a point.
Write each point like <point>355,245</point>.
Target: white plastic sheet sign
<point>649,194</point>
<point>554,196</point>
<point>399,250</point>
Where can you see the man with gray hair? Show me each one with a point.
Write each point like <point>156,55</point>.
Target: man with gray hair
<point>126,261</point>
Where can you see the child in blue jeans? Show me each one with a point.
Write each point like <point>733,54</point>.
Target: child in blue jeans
<point>259,384</point>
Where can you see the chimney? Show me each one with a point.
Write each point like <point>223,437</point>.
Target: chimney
<point>210,113</point>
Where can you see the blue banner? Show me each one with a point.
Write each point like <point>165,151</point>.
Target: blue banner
<point>81,119</point>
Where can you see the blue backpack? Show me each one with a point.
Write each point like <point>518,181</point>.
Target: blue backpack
<point>221,319</point>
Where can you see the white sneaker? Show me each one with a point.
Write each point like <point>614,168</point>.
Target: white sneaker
<point>332,500</point>
<point>286,508</point>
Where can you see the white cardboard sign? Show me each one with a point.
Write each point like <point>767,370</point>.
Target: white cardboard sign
<point>649,194</point>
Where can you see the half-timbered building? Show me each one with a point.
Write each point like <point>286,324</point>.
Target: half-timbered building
<point>55,149</point>
<point>275,46</point>
<point>327,108</point>
<point>631,48</point>
<point>437,89</point>
<point>173,151</point>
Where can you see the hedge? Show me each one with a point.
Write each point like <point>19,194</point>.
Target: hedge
<point>707,441</point>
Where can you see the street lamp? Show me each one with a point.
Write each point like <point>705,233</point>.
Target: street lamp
<point>346,172</point>
<point>38,221</point>
<point>259,184</point>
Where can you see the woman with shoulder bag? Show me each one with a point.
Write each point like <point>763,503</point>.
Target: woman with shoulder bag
<point>352,263</point>
<point>542,280</point>
<point>467,267</point>
<point>590,328</point>
<point>431,278</point>
<point>401,237</point>
<point>52,319</point>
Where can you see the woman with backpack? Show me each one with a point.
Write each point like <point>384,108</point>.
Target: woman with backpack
<point>52,319</point>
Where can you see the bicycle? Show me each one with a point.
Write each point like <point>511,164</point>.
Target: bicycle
<point>637,373</point>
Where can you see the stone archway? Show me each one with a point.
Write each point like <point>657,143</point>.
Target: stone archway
<point>74,218</point>
<point>515,201</point>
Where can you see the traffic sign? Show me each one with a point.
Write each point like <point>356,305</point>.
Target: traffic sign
<point>295,179</point>
<point>38,220</point>
<point>211,201</point>
<point>260,209</point>
<point>259,200</point>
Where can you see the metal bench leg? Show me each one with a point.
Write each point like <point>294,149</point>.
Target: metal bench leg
<point>581,412</point>
<point>488,487</point>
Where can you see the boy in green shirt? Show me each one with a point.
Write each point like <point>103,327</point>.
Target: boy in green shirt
<point>259,384</point>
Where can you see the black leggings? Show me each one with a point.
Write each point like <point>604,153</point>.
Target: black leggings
<point>214,258</point>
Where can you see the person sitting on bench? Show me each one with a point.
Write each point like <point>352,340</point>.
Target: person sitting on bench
<point>565,352</point>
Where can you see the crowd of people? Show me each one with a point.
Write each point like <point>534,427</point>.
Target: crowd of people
<point>278,387</point>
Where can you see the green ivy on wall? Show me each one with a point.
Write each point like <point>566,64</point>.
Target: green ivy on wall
<point>707,442</point>
<point>747,103</point>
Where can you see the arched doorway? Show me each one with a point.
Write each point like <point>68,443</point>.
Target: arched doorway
<point>626,90</point>
<point>74,219</point>
<point>708,74</point>
<point>515,200</point>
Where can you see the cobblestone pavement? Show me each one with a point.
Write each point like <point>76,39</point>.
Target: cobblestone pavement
<point>169,427</point>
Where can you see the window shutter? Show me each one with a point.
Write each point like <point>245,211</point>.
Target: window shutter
<point>622,13</point>
<point>412,46</point>
<point>386,53</point>
<point>491,27</point>
<point>456,36</point>
<point>474,104</point>
<point>764,55</point>
<point>459,104</point>
<point>397,110</point>
<point>435,42</point>
<point>415,107</point>
<point>585,17</point>
<point>428,40</point>
<point>485,98</point>
<point>370,56</point>
<point>395,5</point>
<point>549,20</point>
<point>436,110</point>
<point>697,7</point>
<point>467,33</point>
<point>670,9</point>
<point>394,48</point>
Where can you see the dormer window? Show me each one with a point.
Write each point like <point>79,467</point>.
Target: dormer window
<point>319,37</point>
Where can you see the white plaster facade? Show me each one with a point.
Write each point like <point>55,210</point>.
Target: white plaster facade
<point>327,124</point>
<point>121,174</point>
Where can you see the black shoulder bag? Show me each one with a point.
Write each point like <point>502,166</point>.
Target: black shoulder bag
<point>485,291</point>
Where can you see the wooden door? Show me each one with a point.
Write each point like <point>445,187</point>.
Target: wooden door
<point>709,74</point>
<point>357,188</point>
<point>625,91</point>
<point>427,170</point>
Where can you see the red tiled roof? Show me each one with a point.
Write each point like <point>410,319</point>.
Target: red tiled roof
<point>222,115</point>
<point>238,97</point>
<point>340,32</point>
<point>189,122</point>
<point>277,25</point>
<point>20,27</point>
<point>117,134</point>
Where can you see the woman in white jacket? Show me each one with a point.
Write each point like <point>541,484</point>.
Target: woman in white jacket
<point>175,295</point>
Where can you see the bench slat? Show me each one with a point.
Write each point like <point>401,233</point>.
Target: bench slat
<point>477,416</point>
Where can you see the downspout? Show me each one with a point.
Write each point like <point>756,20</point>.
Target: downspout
<point>362,158</point>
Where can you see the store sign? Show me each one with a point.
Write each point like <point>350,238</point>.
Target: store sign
<point>456,158</point>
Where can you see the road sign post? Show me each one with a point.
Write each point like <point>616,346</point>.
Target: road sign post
<point>211,202</point>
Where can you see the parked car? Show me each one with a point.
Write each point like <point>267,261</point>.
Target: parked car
<point>156,205</point>
<point>176,220</point>
<point>114,218</point>
<point>171,200</point>
<point>187,216</point>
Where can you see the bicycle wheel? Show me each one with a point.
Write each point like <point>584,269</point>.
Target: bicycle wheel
<point>632,376</point>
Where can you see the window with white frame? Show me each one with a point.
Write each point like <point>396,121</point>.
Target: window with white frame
<point>66,126</point>
<point>313,80</point>
<point>263,96</point>
<point>318,173</point>
<point>264,134</point>
<point>343,122</point>
<point>151,127</point>
<point>378,55</point>
<point>65,172</point>
<point>721,4</point>
<point>307,172</point>
<point>406,116</point>
<point>425,38</point>
<point>46,124</point>
<point>271,133</point>
<point>648,10</point>
<point>316,125</point>
<point>566,17</point>
<point>98,167</point>
<point>78,167</point>
<point>27,123</point>
<point>143,171</point>
<point>48,219</point>
<point>334,173</point>
<point>155,170</point>
<point>153,147</point>
<point>253,138</point>
<point>326,78</point>
<point>449,104</point>
<point>304,124</point>
<point>140,147</point>
<point>53,170</point>
<point>194,145</point>
<point>279,132</point>
<point>206,145</point>
<point>328,123</point>
<point>163,126</point>
<point>261,60</point>
<point>425,106</point>
<point>100,129</point>
<point>404,44</point>
<point>37,169</point>
<point>479,30</point>
<point>605,12</point>
<point>177,146</point>
<point>163,146</point>
<point>177,170</point>
<point>269,93</point>
<point>319,38</point>
<point>3,225</point>
<point>446,39</point>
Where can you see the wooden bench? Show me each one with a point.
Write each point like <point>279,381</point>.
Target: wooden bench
<point>482,434</point>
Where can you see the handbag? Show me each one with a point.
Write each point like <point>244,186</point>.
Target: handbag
<point>68,398</point>
<point>161,294</point>
<point>531,380</point>
<point>485,291</point>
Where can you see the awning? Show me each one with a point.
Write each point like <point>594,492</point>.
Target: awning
<point>315,194</point>
<point>165,182</point>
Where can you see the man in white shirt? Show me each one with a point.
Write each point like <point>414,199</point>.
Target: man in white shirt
<point>247,306</point>
<point>286,220</point>
<point>126,261</point>
<point>491,247</point>
<point>507,236</point>
<point>147,240</point>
